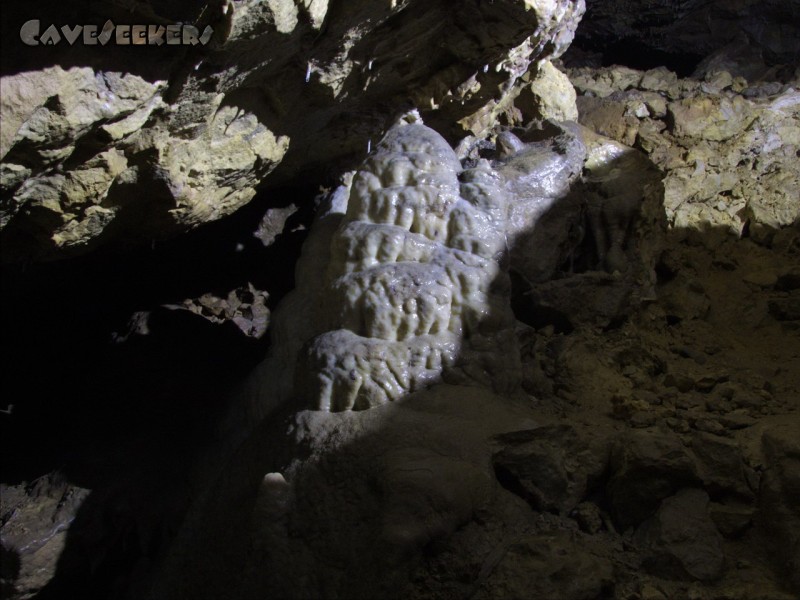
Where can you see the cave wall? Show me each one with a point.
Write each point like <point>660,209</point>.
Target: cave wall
<point>678,33</point>
<point>120,147</point>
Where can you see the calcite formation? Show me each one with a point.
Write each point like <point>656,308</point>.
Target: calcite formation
<point>538,176</point>
<point>413,293</point>
<point>404,280</point>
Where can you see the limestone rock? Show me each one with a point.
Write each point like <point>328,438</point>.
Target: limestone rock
<point>728,158</point>
<point>552,466</point>
<point>592,298</point>
<point>64,205</point>
<point>245,307</point>
<point>713,119</point>
<point>646,467</point>
<point>609,117</point>
<point>558,565</point>
<point>35,520</point>
<point>91,154</point>
<point>732,519</point>
<point>680,540</point>
<point>47,112</point>
<point>787,308</point>
<point>684,298</point>
<point>273,223</point>
<point>779,513</point>
<point>550,95</point>
<point>720,465</point>
<point>604,82</point>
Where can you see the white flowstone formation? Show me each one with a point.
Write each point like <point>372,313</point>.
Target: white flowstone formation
<point>413,292</point>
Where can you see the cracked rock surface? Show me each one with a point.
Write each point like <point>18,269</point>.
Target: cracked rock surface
<point>728,146</point>
<point>98,153</point>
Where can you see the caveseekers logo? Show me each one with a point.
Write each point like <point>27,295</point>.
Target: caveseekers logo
<point>122,35</point>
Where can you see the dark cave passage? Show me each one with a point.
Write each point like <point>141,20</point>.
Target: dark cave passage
<point>77,375</point>
<point>636,55</point>
<point>125,411</point>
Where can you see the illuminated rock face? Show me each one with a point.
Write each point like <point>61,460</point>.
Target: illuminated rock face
<point>142,149</point>
<point>413,292</point>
